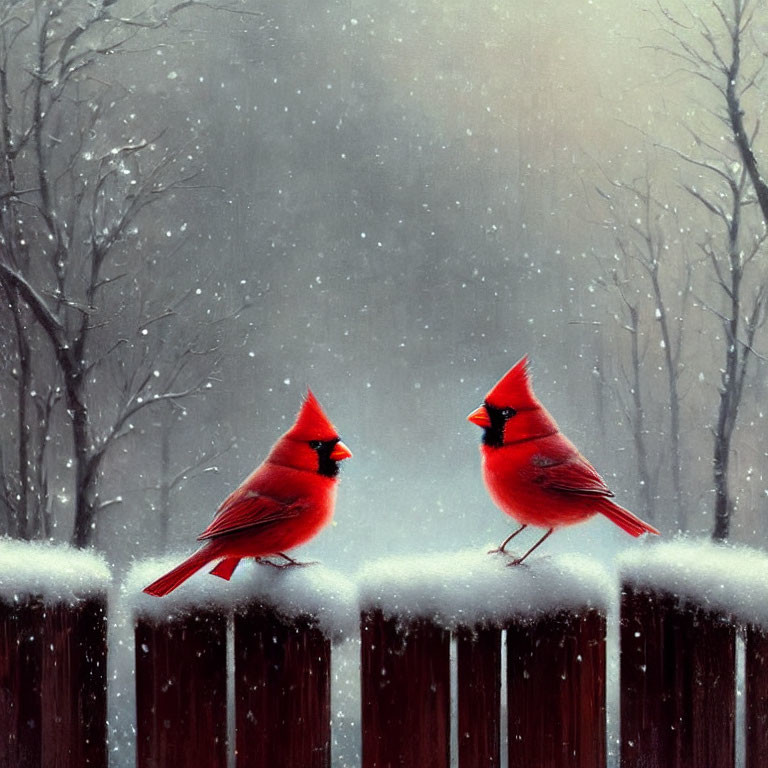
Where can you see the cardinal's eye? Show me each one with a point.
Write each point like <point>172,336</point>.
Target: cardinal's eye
<point>508,413</point>
<point>314,444</point>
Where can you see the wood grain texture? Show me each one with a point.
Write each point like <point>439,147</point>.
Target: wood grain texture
<point>21,643</point>
<point>405,692</point>
<point>678,684</point>
<point>181,692</point>
<point>556,692</point>
<point>282,692</point>
<point>756,697</point>
<point>478,659</point>
<point>74,685</point>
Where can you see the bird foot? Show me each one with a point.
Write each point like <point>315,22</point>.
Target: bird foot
<point>290,563</point>
<point>497,551</point>
<point>516,561</point>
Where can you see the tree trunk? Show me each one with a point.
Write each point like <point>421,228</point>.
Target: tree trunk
<point>722,525</point>
<point>165,478</point>
<point>18,522</point>
<point>730,393</point>
<point>736,118</point>
<point>677,482</point>
<point>726,419</point>
<point>23,388</point>
<point>86,473</point>
<point>638,425</point>
<point>600,387</point>
<point>674,402</point>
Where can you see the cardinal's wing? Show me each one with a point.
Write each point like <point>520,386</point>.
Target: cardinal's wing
<point>247,509</point>
<point>572,475</point>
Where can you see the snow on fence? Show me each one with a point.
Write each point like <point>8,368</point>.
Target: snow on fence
<point>283,622</point>
<point>53,653</point>
<point>554,614</point>
<point>682,604</point>
<point>238,673</point>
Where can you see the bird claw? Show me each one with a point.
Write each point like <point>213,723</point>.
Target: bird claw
<point>299,564</point>
<point>497,551</point>
<point>516,561</point>
<point>290,563</point>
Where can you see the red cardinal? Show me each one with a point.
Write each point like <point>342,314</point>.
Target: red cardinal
<point>284,503</point>
<point>532,471</point>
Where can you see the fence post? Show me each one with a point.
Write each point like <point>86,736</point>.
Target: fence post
<point>556,691</point>
<point>21,656</point>
<point>284,620</point>
<point>74,685</point>
<point>478,659</point>
<point>53,651</point>
<point>756,696</point>
<point>678,683</point>
<point>181,690</point>
<point>282,691</point>
<point>681,603</point>
<point>556,653</point>
<point>405,695</point>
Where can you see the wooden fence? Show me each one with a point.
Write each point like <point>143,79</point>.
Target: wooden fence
<point>677,688</point>
<point>53,683</point>
<point>555,665</point>
<point>678,685</point>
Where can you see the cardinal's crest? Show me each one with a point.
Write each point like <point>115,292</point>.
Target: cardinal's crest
<point>311,422</point>
<point>514,389</point>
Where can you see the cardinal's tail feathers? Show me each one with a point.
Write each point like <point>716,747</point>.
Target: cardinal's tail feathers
<point>226,568</point>
<point>628,522</point>
<point>180,573</point>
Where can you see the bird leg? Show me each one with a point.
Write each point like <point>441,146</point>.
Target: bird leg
<point>502,549</point>
<point>519,560</point>
<point>289,562</point>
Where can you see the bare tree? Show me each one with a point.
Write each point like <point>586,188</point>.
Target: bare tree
<point>172,477</point>
<point>743,314</point>
<point>76,268</point>
<point>710,45</point>
<point>715,54</point>
<point>635,414</point>
<point>639,224</point>
<point>732,84</point>
<point>34,399</point>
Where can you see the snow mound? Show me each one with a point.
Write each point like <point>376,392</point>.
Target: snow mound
<point>472,588</point>
<point>313,590</point>
<point>718,577</point>
<point>53,573</point>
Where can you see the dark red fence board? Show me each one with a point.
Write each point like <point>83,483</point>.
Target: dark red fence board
<point>713,691</point>
<point>181,691</point>
<point>648,672</point>
<point>756,697</point>
<point>74,685</point>
<point>282,692</point>
<point>405,676</point>
<point>556,692</point>
<point>53,684</point>
<point>21,661</point>
<point>678,684</point>
<point>478,658</point>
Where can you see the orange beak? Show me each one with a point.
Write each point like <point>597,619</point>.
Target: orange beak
<point>340,452</point>
<point>480,417</point>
